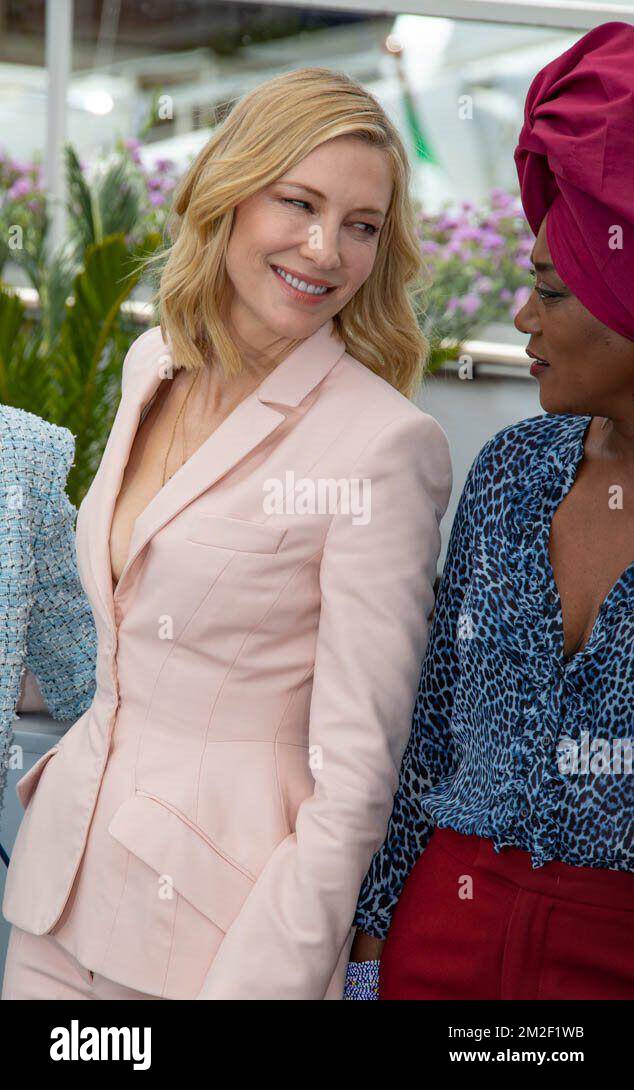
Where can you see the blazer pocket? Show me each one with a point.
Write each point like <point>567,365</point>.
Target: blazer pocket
<point>26,784</point>
<point>232,533</point>
<point>168,842</point>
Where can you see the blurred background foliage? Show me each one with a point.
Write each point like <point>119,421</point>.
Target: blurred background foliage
<point>62,358</point>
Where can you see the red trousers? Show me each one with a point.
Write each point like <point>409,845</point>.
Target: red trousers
<point>472,923</point>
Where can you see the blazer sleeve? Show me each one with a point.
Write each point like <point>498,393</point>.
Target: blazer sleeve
<point>61,642</point>
<point>376,594</point>
<point>431,754</point>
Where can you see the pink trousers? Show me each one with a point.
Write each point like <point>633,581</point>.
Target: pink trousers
<point>38,967</point>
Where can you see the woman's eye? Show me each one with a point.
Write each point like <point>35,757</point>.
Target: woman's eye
<point>296,202</point>
<point>306,206</point>
<point>545,293</point>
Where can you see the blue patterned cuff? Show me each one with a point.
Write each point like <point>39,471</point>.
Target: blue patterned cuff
<point>362,980</point>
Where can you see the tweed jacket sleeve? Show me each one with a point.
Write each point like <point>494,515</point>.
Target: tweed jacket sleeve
<point>61,643</point>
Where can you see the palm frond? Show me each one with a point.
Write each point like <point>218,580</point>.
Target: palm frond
<point>56,282</point>
<point>87,368</point>
<point>119,197</point>
<point>83,213</point>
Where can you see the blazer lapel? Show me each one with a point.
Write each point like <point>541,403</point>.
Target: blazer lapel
<point>241,432</point>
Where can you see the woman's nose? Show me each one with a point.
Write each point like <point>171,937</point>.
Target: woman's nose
<point>527,318</point>
<point>322,247</point>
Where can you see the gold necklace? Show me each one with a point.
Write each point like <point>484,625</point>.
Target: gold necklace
<point>180,411</point>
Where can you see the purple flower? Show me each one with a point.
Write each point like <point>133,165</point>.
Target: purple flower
<point>491,240</point>
<point>469,233</point>
<point>19,167</point>
<point>500,198</point>
<point>132,145</point>
<point>456,247</point>
<point>19,189</point>
<point>470,303</point>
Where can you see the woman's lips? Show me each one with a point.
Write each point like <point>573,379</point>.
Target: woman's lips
<point>300,296</point>
<point>538,364</point>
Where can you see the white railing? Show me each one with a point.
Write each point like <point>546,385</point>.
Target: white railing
<point>564,14</point>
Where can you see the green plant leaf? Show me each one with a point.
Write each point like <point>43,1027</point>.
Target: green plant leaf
<point>119,196</point>
<point>12,311</point>
<point>83,213</point>
<point>87,368</point>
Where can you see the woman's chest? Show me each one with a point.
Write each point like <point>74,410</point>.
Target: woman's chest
<point>142,477</point>
<point>591,545</point>
<point>541,589</point>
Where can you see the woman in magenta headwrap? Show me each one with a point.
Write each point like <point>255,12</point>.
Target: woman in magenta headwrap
<point>512,835</point>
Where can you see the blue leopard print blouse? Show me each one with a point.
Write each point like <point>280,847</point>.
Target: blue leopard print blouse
<point>510,740</point>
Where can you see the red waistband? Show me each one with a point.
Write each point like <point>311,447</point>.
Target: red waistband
<point>589,885</point>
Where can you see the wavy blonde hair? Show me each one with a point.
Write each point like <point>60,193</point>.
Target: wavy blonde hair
<point>267,132</point>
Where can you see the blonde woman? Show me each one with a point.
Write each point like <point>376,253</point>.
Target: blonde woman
<point>259,548</point>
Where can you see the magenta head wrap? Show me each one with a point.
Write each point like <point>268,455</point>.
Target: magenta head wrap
<point>575,160</point>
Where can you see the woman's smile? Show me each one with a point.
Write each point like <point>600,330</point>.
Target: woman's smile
<point>301,287</point>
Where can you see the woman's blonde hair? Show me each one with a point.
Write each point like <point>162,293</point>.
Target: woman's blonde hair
<point>267,132</point>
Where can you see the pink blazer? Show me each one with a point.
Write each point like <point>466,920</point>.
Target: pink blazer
<point>203,829</point>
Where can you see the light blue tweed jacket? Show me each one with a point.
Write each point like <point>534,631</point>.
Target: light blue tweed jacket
<point>46,623</point>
